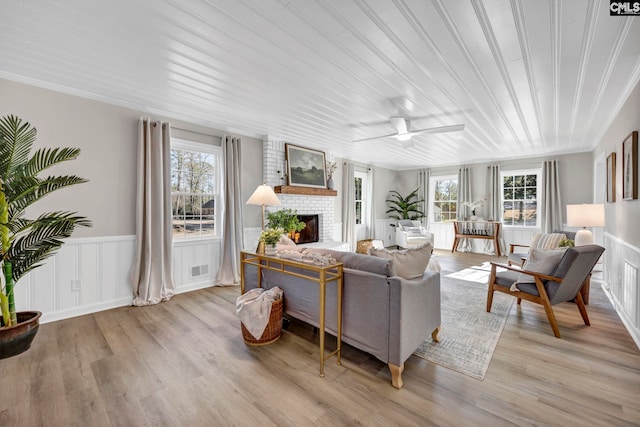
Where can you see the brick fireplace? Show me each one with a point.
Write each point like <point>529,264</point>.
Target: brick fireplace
<point>274,175</point>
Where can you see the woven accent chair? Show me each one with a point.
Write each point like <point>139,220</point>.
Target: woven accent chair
<point>540,241</point>
<point>562,285</point>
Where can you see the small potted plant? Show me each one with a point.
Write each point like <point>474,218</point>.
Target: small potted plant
<point>26,243</point>
<point>270,237</point>
<point>286,219</point>
<point>566,243</point>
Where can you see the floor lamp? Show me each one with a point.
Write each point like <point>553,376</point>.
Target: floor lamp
<point>585,215</point>
<point>263,196</point>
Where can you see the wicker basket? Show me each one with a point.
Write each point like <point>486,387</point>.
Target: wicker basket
<point>363,246</point>
<point>271,332</point>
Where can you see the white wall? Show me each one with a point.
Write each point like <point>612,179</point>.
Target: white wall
<point>622,231</point>
<point>91,271</point>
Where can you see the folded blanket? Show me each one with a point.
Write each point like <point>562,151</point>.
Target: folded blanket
<point>254,308</point>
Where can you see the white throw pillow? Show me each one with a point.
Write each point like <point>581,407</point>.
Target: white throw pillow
<point>540,261</point>
<point>408,263</point>
<point>412,231</point>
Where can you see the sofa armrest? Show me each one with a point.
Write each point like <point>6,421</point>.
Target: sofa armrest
<point>401,237</point>
<point>414,313</point>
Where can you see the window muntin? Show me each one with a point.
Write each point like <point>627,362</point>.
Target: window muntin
<point>445,199</point>
<point>520,191</point>
<point>359,181</point>
<point>195,173</point>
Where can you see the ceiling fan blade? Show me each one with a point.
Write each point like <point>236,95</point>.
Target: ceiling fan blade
<point>375,137</point>
<point>441,129</point>
<point>400,123</point>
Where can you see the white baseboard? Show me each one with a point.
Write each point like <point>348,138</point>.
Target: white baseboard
<point>85,309</point>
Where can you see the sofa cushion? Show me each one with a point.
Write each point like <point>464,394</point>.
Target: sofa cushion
<point>407,263</point>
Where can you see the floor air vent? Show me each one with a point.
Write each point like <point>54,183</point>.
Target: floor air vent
<point>199,270</point>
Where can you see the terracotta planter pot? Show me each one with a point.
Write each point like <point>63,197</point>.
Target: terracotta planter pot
<point>17,339</point>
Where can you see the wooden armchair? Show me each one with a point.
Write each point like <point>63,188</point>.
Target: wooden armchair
<point>562,285</point>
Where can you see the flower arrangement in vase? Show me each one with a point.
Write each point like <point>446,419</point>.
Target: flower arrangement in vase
<point>474,205</point>
<point>331,168</point>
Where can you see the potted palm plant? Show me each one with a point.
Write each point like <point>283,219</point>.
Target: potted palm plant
<point>26,243</point>
<point>401,207</point>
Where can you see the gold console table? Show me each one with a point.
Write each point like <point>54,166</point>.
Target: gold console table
<point>321,274</point>
<point>488,230</point>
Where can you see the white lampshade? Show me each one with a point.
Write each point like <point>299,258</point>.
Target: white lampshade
<point>264,196</point>
<point>585,215</point>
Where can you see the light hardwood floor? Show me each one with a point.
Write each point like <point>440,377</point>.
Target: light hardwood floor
<point>184,363</point>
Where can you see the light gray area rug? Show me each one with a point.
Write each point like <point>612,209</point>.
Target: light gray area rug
<point>469,334</point>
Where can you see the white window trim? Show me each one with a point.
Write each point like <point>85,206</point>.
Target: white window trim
<point>366,196</point>
<point>432,195</point>
<point>183,144</point>
<point>538,173</point>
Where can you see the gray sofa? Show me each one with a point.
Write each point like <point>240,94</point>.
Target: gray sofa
<point>384,315</point>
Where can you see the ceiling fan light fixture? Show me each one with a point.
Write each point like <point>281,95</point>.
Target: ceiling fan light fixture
<point>404,137</point>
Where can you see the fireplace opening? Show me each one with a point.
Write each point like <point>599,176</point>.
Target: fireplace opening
<point>311,233</point>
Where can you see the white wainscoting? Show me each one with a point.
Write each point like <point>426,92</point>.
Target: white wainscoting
<point>518,236</point>
<point>442,234</point>
<point>92,274</point>
<point>385,230</point>
<point>621,282</point>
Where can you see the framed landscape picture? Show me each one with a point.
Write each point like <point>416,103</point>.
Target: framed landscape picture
<point>305,167</point>
<point>611,178</point>
<point>630,167</point>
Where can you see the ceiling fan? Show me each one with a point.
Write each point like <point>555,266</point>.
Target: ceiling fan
<point>404,133</point>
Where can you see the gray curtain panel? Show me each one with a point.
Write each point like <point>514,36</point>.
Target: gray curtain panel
<point>550,202</point>
<point>349,205</point>
<point>152,273</point>
<point>423,191</point>
<point>494,206</point>
<point>233,232</point>
<point>464,195</point>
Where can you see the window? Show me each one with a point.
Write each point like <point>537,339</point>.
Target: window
<point>194,188</point>
<point>445,198</point>
<point>520,198</point>
<point>361,197</point>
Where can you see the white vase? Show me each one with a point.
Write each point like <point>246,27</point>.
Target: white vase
<point>270,250</point>
<point>330,183</point>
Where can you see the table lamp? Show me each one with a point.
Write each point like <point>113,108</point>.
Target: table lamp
<point>263,196</point>
<point>585,215</point>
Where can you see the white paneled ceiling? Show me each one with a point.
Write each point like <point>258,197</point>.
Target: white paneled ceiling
<point>526,77</point>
